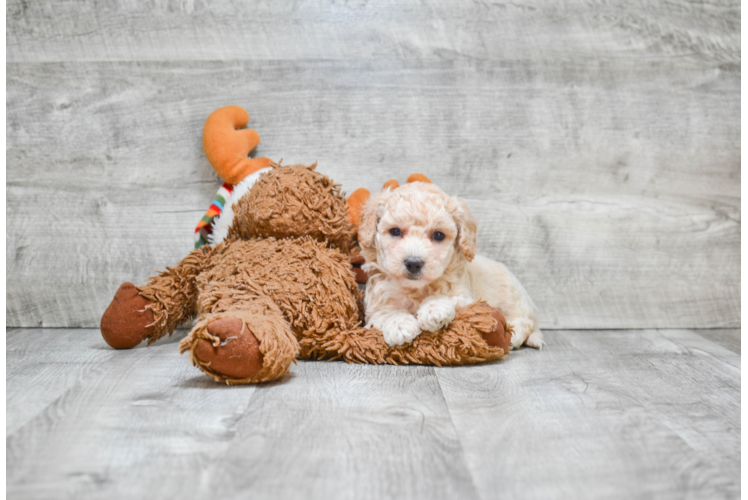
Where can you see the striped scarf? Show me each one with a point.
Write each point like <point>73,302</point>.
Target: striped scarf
<point>205,226</point>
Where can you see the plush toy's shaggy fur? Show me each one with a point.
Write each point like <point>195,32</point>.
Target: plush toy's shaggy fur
<point>472,337</point>
<point>293,202</point>
<point>281,287</point>
<point>282,291</point>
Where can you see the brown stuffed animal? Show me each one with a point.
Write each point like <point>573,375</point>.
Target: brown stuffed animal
<point>279,286</point>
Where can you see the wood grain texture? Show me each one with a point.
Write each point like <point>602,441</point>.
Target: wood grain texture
<point>614,414</point>
<point>318,29</point>
<point>346,431</point>
<point>596,414</point>
<point>41,366</point>
<point>744,223</point>
<point>142,426</point>
<point>152,426</point>
<point>744,447</point>
<point>598,147</point>
<point>729,338</point>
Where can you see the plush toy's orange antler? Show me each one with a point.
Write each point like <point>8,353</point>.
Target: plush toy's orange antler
<point>227,144</point>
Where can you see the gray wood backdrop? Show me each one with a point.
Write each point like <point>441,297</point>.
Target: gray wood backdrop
<point>597,141</point>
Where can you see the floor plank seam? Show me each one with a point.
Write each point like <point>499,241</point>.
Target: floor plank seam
<point>457,434</point>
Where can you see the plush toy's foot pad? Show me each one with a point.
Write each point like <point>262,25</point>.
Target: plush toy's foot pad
<point>126,322</point>
<point>238,355</point>
<point>501,336</point>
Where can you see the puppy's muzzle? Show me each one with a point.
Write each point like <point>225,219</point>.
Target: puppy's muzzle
<point>414,266</point>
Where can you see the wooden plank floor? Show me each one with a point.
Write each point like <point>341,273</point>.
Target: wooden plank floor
<point>597,414</point>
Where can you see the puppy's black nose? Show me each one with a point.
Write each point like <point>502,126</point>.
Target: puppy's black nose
<point>413,264</point>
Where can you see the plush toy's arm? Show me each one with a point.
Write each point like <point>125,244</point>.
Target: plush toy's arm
<point>173,293</point>
<point>478,333</point>
<point>156,309</point>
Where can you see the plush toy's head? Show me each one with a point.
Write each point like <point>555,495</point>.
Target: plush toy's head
<point>263,199</point>
<point>293,201</point>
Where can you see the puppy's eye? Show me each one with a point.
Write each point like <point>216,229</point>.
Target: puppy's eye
<point>438,236</point>
<point>395,231</point>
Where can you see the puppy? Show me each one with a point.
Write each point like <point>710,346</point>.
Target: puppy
<point>419,246</point>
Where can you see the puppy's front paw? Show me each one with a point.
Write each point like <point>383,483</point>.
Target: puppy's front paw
<point>400,330</point>
<point>435,314</point>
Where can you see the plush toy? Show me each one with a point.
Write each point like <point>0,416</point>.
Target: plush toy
<point>277,283</point>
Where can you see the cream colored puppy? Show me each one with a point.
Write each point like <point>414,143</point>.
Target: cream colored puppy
<point>419,246</point>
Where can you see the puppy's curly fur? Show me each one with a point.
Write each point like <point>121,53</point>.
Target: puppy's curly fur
<point>419,246</point>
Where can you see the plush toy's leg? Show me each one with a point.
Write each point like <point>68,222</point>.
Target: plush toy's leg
<point>248,343</point>
<point>501,335</point>
<point>477,334</point>
<point>128,319</point>
<point>153,310</point>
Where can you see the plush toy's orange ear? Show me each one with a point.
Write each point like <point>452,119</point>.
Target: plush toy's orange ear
<point>418,178</point>
<point>355,203</point>
<point>227,144</point>
<point>391,184</point>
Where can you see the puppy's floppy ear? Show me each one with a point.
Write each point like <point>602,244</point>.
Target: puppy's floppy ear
<point>467,228</point>
<point>367,229</point>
